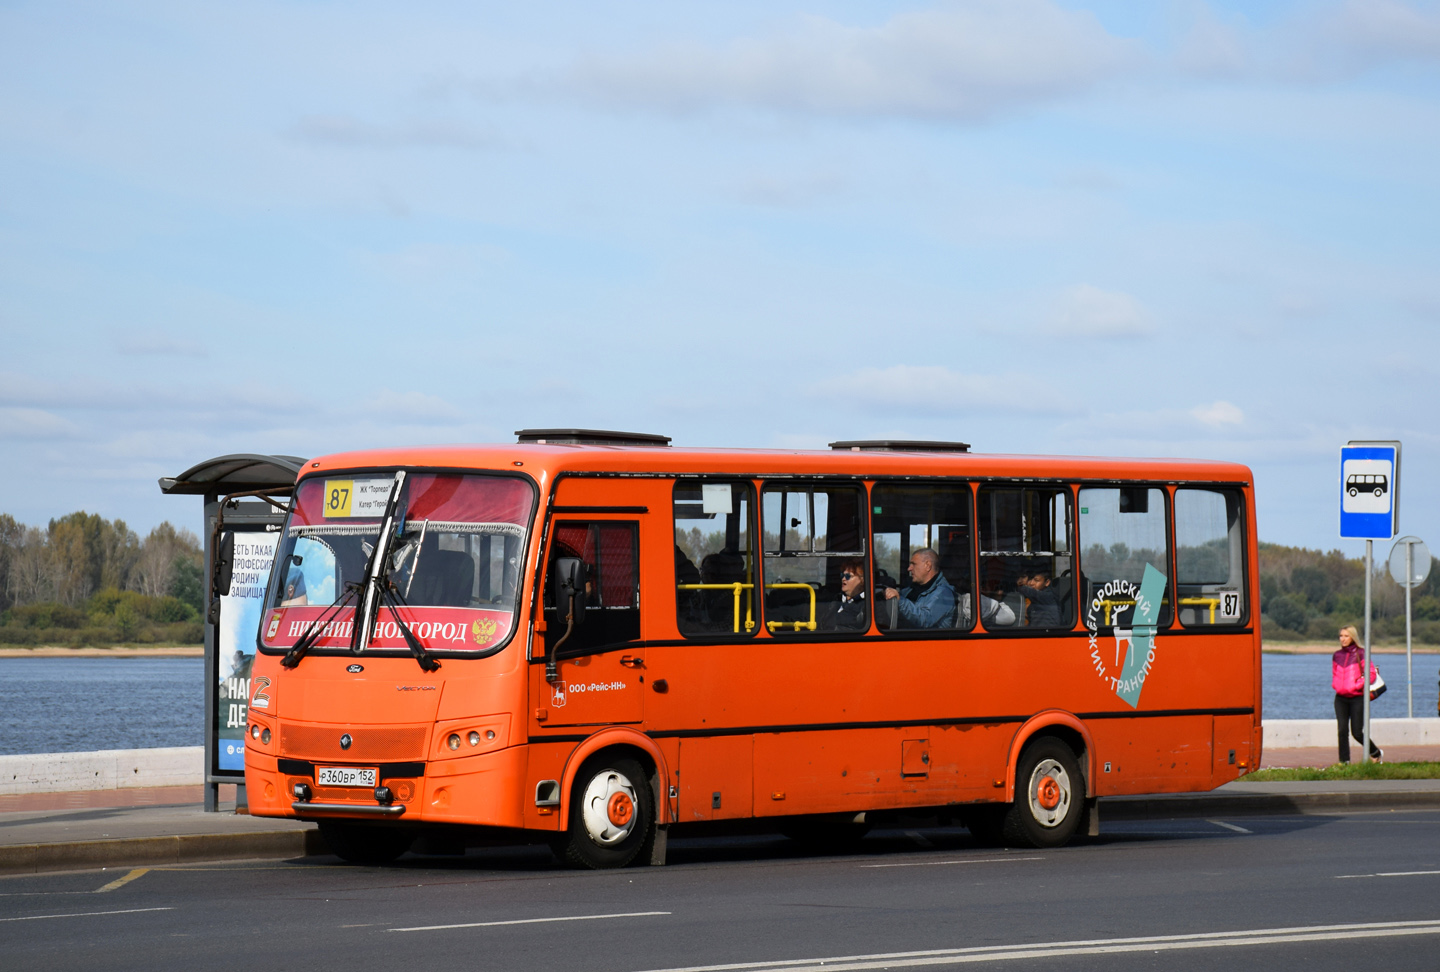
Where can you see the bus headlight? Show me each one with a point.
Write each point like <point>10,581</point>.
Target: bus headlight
<point>454,740</point>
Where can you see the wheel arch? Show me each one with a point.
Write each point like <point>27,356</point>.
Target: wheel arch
<point>620,739</point>
<point>1061,725</point>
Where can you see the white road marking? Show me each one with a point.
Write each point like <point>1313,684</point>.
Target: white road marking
<point>1230,826</point>
<point>919,838</point>
<point>529,921</point>
<point>87,914</point>
<point>1387,874</point>
<point>1156,943</point>
<point>121,882</point>
<point>973,860</point>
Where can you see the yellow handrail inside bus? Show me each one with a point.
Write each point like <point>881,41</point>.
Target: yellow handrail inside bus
<point>737,588</point>
<point>1118,602</point>
<point>807,625</point>
<point>1214,603</point>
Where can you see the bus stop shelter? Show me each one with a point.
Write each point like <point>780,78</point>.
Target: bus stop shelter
<point>246,498</point>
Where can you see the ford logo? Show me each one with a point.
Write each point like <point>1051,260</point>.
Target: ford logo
<point>355,669</point>
<point>345,741</point>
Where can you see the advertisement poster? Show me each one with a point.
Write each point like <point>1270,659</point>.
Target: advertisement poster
<point>240,612</point>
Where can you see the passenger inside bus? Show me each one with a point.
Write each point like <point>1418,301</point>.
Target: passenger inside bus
<point>928,601</point>
<point>848,613</point>
<point>1042,601</point>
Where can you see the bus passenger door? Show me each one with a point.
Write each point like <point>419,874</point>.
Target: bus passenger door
<point>600,665</point>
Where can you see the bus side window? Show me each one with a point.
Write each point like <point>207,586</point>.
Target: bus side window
<point>1025,557</point>
<point>1209,557</point>
<point>813,538</point>
<point>1122,533</point>
<point>610,549</point>
<point>907,518</point>
<point>714,561</point>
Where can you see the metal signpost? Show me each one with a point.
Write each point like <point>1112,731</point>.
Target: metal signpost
<point>1409,566</point>
<point>1369,511</point>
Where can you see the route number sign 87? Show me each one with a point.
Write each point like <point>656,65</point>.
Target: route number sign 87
<point>337,497</point>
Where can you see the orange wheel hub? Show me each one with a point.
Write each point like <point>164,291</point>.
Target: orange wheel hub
<point>620,809</point>
<point>1048,793</point>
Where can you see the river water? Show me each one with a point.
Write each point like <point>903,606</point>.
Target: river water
<point>56,705</point>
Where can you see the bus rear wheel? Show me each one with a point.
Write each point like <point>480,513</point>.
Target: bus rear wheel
<point>1049,796</point>
<point>612,815</point>
<point>365,844</point>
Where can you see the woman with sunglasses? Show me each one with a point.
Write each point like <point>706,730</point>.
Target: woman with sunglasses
<point>850,612</point>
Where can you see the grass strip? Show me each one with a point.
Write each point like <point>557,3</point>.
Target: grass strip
<point>1348,771</point>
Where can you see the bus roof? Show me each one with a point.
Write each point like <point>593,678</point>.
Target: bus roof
<point>548,461</point>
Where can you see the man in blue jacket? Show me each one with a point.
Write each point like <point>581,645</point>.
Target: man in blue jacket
<point>929,600</point>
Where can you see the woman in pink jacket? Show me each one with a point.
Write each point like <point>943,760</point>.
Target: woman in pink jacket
<point>1347,667</point>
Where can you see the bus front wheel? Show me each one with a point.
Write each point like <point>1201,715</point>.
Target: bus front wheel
<point>365,844</point>
<point>612,815</point>
<point>1049,796</point>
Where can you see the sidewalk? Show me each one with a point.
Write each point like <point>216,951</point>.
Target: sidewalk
<point>74,839</point>
<point>1322,756</point>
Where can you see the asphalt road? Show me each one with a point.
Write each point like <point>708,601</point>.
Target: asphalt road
<point>1351,891</point>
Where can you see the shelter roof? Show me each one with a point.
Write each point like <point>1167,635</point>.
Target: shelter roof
<point>238,473</point>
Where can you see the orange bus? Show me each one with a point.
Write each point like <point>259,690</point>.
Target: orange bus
<point>595,638</point>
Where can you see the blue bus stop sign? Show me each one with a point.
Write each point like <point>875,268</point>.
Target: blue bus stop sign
<point>1370,490</point>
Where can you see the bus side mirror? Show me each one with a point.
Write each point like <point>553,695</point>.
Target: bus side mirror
<point>224,566</point>
<point>221,575</point>
<point>569,576</point>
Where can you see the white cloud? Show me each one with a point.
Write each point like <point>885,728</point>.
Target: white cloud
<point>34,423</point>
<point>349,132</point>
<point>1320,43</point>
<point>936,390</point>
<point>1370,32</point>
<point>1088,311</point>
<point>966,60</point>
<point>1218,414</point>
<point>154,341</point>
<point>413,407</point>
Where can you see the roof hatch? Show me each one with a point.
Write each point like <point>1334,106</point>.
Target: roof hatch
<point>898,445</point>
<point>589,437</point>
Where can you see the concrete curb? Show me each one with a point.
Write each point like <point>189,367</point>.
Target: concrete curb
<point>1209,805</point>
<point>150,851</point>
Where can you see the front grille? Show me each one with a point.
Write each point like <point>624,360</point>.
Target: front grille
<point>368,745</point>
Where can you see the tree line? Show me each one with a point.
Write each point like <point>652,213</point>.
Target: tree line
<point>1309,595</point>
<point>83,579</point>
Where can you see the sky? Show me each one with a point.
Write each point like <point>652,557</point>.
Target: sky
<point>1170,229</point>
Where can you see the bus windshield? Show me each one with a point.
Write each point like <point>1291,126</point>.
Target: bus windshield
<point>454,565</point>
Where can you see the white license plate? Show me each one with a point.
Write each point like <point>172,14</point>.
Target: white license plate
<point>344,776</point>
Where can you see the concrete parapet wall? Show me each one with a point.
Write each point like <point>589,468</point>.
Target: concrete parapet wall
<point>1310,733</point>
<point>110,769</point>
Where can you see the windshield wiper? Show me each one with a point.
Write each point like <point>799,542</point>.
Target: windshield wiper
<point>377,573</point>
<point>306,641</point>
<point>377,588</point>
<point>427,661</point>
